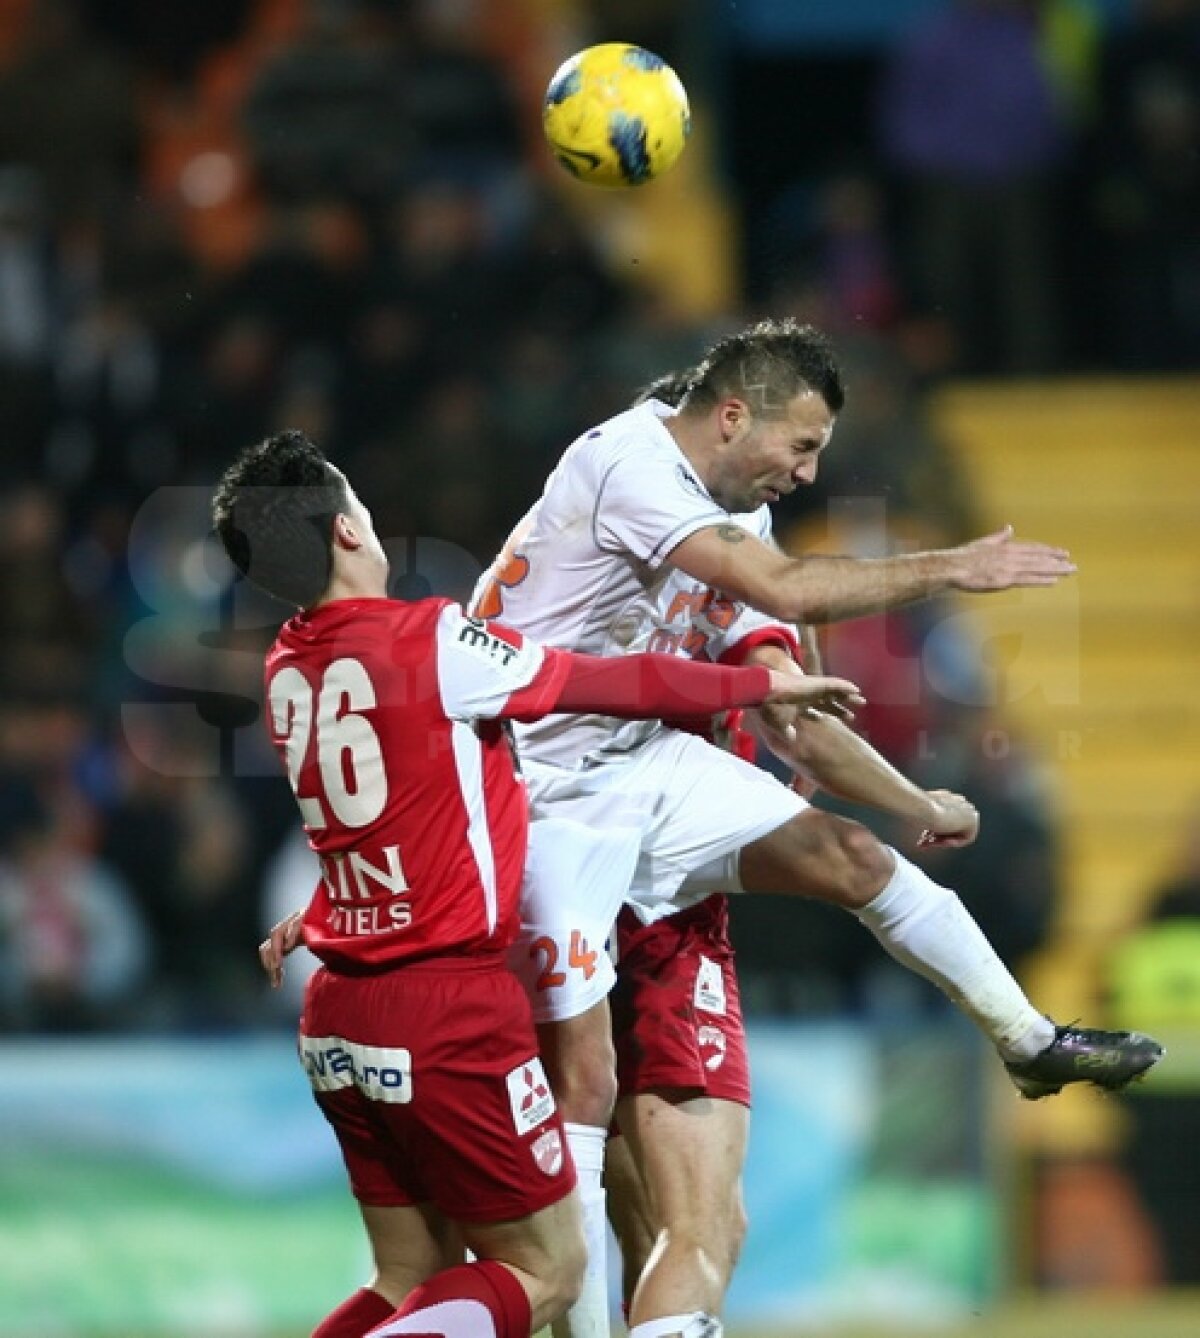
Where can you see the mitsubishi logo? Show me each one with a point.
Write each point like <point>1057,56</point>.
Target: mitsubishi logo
<point>535,1090</point>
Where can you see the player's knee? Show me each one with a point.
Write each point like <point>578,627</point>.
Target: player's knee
<point>711,1263</point>
<point>584,1081</point>
<point>726,1244</point>
<point>869,857</point>
<point>712,1244</point>
<point>863,862</point>
<point>591,1094</point>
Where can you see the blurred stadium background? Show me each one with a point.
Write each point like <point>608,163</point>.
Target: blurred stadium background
<point>218,219</point>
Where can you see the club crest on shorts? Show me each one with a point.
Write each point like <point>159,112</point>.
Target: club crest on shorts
<point>529,1095</point>
<point>710,988</point>
<point>547,1152</point>
<point>711,1043</point>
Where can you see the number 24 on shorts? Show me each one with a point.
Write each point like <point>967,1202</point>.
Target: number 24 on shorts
<point>579,957</point>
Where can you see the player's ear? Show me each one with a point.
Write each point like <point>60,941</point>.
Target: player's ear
<point>732,416</point>
<point>345,532</point>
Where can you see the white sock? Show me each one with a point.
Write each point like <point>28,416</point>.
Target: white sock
<point>588,1317</point>
<point>695,1325</point>
<point>927,928</point>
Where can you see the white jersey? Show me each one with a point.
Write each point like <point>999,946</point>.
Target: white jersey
<point>587,569</point>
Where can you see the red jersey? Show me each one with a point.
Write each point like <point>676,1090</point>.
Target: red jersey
<point>385,717</point>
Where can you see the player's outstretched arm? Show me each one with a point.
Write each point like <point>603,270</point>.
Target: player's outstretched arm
<point>824,589</point>
<point>845,765</point>
<point>654,686</point>
<point>486,670</point>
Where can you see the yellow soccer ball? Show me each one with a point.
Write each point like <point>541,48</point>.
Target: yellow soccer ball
<point>616,115</point>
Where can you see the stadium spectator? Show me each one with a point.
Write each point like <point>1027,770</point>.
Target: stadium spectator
<point>825,251</point>
<point>1154,971</point>
<point>1009,876</point>
<point>171,41</point>
<point>325,115</point>
<point>972,124</point>
<point>73,949</point>
<point>29,317</point>
<point>83,147</point>
<point>47,630</point>
<point>1143,201</point>
<point>109,437</point>
<point>456,99</point>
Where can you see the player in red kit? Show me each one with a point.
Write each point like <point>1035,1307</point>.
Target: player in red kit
<point>416,1039</point>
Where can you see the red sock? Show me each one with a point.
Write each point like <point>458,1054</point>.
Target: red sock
<point>481,1300</point>
<point>355,1316</point>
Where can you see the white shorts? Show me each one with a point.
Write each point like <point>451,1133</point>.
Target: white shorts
<point>575,881</point>
<point>660,827</point>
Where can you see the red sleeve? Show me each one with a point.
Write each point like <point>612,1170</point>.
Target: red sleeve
<point>763,636</point>
<point>540,696</point>
<point>648,687</point>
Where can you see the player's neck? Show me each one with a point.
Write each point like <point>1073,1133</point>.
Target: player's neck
<point>352,585</point>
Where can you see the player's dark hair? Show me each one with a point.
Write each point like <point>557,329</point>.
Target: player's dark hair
<point>671,387</point>
<point>767,365</point>
<point>273,511</point>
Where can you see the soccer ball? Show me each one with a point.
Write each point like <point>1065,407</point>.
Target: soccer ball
<point>616,115</point>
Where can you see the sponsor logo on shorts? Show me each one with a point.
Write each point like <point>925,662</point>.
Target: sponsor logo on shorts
<point>710,988</point>
<point>547,1152</point>
<point>529,1095</point>
<point>383,1073</point>
<point>711,1042</point>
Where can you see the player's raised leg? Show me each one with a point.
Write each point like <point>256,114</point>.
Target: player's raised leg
<point>927,928</point>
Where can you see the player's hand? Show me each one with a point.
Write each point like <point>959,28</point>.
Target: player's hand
<point>954,821</point>
<point>285,937</point>
<point>1000,562</point>
<point>779,717</point>
<point>815,694</point>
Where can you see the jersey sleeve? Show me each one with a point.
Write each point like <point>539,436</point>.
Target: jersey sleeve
<point>748,630</point>
<point>647,504</point>
<point>648,687</point>
<point>487,669</point>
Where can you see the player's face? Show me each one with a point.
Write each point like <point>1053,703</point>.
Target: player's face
<point>764,459</point>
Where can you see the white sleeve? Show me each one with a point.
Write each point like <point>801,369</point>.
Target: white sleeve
<point>480,665</point>
<point>647,504</point>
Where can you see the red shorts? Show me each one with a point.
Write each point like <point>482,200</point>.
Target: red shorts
<point>677,1015</point>
<point>430,1078</point>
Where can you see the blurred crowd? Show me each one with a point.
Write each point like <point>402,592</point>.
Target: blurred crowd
<point>218,220</point>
